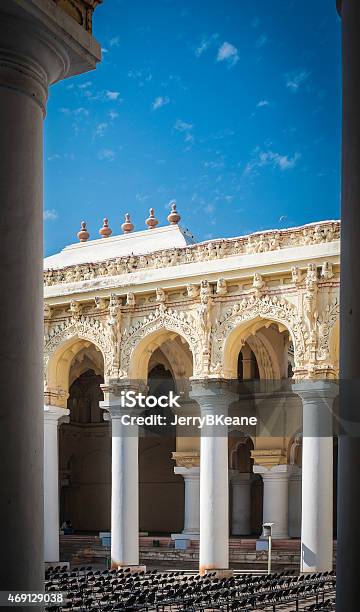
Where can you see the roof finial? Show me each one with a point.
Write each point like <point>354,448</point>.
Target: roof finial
<point>174,216</point>
<point>151,222</point>
<point>105,230</point>
<point>127,227</point>
<point>83,234</point>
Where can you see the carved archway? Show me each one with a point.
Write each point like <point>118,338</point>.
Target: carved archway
<point>65,340</point>
<point>146,336</point>
<point>243,318</point>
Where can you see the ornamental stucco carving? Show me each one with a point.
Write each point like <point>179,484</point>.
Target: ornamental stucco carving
<point>207,251</point>
<point>86,328</point>
<point>266,307</point>
<point>325,326</point>
<point>161,318</point>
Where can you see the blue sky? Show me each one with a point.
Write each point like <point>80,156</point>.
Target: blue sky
<point>230,107</point>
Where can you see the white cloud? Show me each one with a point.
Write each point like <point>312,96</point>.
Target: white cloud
<point>114,42</point>
<point>214,164</point>
<point>84,85</point>
<point>50,215</point>
<point>160,101</point>
<point>270,158</point>
<point>106,154</point>
<point>142,197</point>
<point>186,129</point>
<point>262,103</point>
<point>113,115</point>
<point>205,44</point>
<point>112,95</point>
<point>296,79</point>
<point>182,126</point>
<point>227,52</point>
<point>75,111</point>
<point>141,76</point>
<point>261,41</point>
<point>100,129</point>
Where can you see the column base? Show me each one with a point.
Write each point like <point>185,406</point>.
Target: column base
<point>186,535</point>
<point>129,569</point>
<point>219,572</point>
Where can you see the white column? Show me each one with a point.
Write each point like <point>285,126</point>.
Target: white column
<point>295,503</point>
<point>241,502</point>
<point>213,399</point>
<point>40,44</point>
<point>276,498</point>
<point>52,414</point>
<point>124,485</point>
<point>191,478</point>
<point>317,475</point>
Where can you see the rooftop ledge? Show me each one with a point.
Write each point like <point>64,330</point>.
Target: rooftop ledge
<point>134,243</point>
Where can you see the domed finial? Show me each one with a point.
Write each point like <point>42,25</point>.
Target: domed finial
<point>151,222</point>
<point>83,234</point>
<point>105,230</point>
<point>127,227</point>
<point>174,216</point>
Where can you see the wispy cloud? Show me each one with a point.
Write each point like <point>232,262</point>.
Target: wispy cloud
<point>206,42</point>
<point>294,80</point>
<point>50,215</point>
<point>185,128</point>
<point>113,115</point>
<point>112,95</point>
<point>270,158</point>
<point>75,111</point>
<point>160,101</point>
<point>84,85</point>
<point>262,103</point>
<point>100,129</point>
<point>106,154</point>
<point>140,76</point>
<point>228,53</point>
<point>261,41</point>
<point>115,41</point>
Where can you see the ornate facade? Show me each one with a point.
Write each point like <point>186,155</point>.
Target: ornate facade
<point>154,303</point>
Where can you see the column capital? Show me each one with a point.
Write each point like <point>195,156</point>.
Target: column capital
<point>269,458</point>
<point>54,413</point>
<point>214,394</point>
<point>315,389</point>
<point>276,472</point>
<point>114,392</point>
<point>188,473</point>
<point>55,396</point>
<point>40,45</point>
<point>186,459</point>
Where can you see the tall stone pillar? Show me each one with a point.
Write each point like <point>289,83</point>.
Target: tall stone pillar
<point>317,474</point>
<point>191,476</point>
<point>124,480</point>
<point>52,415</point>
<point>241,502</point>
<point>214,399</point>
<point>40,44</point>
<point>276,497</point>
<point>348,530</point>
<point>295,503</point>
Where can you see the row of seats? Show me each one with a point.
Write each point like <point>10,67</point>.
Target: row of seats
<point>90,590</point>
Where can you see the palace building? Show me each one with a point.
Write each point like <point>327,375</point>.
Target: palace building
<point>154,308</point>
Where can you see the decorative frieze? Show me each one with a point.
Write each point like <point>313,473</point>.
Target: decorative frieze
<point>205,251</point>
